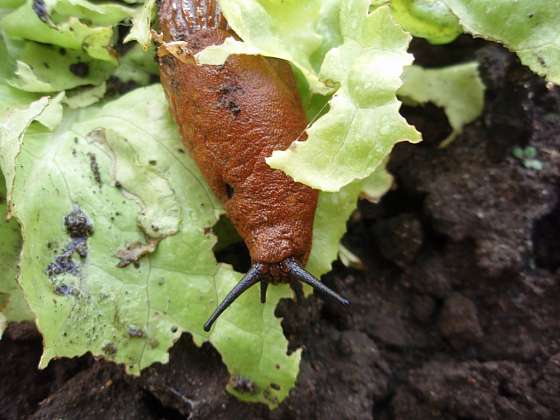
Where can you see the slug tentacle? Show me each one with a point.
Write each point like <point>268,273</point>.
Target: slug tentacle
<point>264,287</point>
<point>250,279</point>
<point>299,273</point>
<point>298,290</point>
<point>274,273</point>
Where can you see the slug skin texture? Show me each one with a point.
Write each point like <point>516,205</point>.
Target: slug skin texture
<point>231,118</point>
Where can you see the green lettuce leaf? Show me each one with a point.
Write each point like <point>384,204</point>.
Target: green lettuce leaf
<point>430,19</point>
<point>43,68</point>
<point>140,31</point>
<point>363,123</point>
<point>12,303</point>
<point>64,26</point>
<point>527,27</point>
<point>457,89</point>
<point>12,130</point>
<point>138,65</point>
<point>333,212</point>
<point>86,96</point>
<point>121,168</point>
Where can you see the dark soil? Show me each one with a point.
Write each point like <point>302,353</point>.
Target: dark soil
<point>456,316</point>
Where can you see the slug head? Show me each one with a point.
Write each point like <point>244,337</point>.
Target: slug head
<point>288,271</point>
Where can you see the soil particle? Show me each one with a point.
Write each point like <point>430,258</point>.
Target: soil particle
<point>40,9</point>
<point>133,252</point>
<point>116,86</point>
<point>78,225</point>
<point>243,385</point>
<point>94,168</point>
<point>458,321</point>
<point>79,228</point>
<point>134,331</point>
<point>109,349</point>
<point>227,94</point>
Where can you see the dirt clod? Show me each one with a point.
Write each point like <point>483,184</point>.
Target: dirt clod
<point>458,321</point>
<point>78,224</point>
<point>79,228</point>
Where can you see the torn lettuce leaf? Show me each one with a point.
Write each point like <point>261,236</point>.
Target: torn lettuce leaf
<point>94,165</point>
<point>13,307</point>
<point>363,123</point>
<point>458,89</point>
<point>300,32</point>
<point>140,31</point>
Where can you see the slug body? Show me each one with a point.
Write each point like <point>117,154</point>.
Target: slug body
<point>231,118</point>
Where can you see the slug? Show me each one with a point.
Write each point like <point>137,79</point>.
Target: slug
<point>230,118</point>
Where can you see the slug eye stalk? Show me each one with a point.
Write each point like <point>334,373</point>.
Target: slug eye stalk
<point>257,273</point>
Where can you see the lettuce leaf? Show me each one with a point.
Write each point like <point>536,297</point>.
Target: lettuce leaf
<point>140,31</point>
<point>363,123</point>
<point>12,302</point>
<point>457,89</point>
<point>121,170</point>
<point>430,19</point>
<point>63,25</point>
<point>527,27</point>
<point>43,68</point>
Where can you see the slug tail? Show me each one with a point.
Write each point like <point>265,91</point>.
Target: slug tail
<point>180,19</point>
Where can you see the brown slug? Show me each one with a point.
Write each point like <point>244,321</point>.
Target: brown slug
<point>232,117</point>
